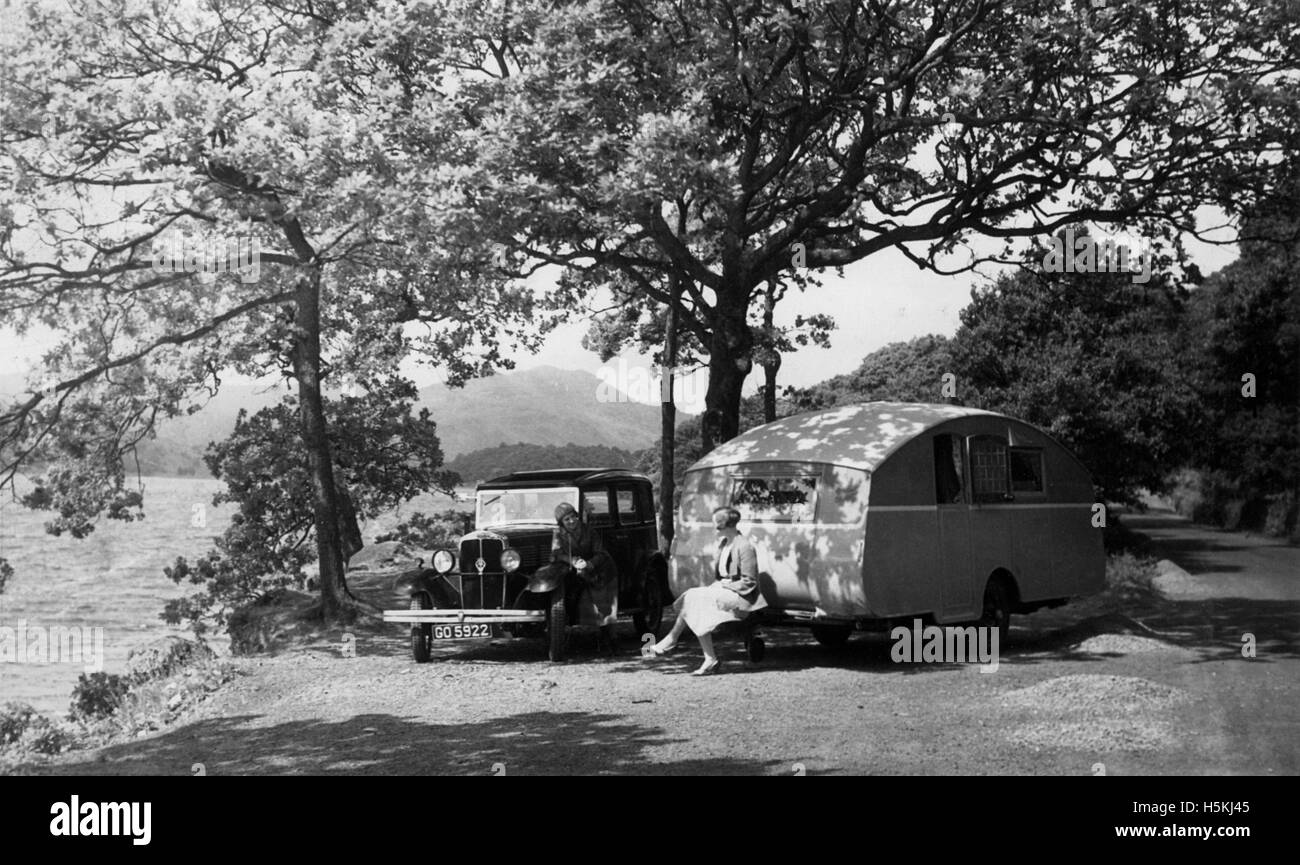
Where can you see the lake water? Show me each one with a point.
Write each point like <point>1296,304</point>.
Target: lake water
<point>112,580</point>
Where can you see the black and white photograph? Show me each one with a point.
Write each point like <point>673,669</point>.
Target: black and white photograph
<point>780,388</point>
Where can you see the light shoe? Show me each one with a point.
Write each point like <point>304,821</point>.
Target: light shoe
<point>659,649</point>
<point>708,668</point>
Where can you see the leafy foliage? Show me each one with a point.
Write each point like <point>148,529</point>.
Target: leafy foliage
<point>98,695</point>
<point>431,531</point>
<point>385,455</point>
<point>902,371</point>
<point>1245,321</point>
<point>15,718</point>
<point>299,129</point>
<point>1091,359</point>
<point>686,154</point>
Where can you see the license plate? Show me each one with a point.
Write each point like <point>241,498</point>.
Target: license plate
<point>465,632</point>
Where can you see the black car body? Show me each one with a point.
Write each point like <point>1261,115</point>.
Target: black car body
<point>489,586</point>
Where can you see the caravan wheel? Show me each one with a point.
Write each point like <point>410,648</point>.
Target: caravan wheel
<point>832,636</point>
<point>997,609</point>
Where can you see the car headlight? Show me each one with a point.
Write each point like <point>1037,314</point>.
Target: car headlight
<point>510,560</point>
<point>443,561</point>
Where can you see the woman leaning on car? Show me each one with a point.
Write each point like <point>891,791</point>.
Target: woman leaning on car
<point>575,544</point>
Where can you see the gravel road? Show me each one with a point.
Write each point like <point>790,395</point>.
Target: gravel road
<point>1095,694</point>
<point>1160,687</point>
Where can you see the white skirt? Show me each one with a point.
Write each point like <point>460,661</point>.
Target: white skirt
<point>706,607</point>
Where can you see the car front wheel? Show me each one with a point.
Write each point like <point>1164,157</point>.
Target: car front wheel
<point>421,634</point>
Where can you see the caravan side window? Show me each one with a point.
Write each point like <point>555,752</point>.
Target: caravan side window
<point>988,469</point>
<point>947,469</point>
<point>1026,470</point>
<point>778,500</point>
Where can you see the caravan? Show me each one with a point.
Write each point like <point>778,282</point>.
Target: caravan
<point>872,514</point>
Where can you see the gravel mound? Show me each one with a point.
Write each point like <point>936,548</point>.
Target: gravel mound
<point>1125,644</point>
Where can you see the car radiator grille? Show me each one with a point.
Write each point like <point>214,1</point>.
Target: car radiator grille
<point>488,591</point>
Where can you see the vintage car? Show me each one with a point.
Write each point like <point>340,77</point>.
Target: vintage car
<point>872,514</point>
<point>488,585</point>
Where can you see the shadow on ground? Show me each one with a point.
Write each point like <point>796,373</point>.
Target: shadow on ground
<point>535,743</point>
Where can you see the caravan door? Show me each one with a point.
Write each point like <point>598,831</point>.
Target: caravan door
<point>954,542</point>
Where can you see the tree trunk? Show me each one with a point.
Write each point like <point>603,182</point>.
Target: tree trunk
<point>668,425</point>
<point>771,357</point>
<point>729,364</point>
<point>320,465</point>
<point>769,388</point>
<point>349,528</point>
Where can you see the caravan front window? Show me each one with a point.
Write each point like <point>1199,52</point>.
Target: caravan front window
<point>776,499</point>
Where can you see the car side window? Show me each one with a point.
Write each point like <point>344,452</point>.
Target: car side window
<point>629,512</point>
<point>635,505</point>
<point>596,504</point>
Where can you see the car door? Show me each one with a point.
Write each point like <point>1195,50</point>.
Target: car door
<point>626,538</point>
<point>598,511</point>
<point>634,502</point>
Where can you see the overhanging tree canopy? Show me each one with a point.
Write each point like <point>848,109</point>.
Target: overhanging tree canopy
<point>720,143</point>
<point>294,125</point>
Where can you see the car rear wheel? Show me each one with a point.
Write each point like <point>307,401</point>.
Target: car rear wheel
<point>557,627</point>
<point>421,634</point>
<point>832,636</point>
<point>651,615</point>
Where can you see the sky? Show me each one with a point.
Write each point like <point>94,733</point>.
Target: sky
<point>880,300</point>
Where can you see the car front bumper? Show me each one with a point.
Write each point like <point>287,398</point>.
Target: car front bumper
<point>464,617</point>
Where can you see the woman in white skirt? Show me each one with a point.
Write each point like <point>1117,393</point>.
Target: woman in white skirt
<point>730,598</point>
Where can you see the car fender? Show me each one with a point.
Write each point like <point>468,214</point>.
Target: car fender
<point>436,586</point>
<point>546,579</point>
<point>655,566</point>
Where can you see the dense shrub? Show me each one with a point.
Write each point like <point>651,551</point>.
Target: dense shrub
<point>15,718</point>
<point>98,695</point>
<point>43,737</point>
<point>1129,577</point>
<point>1217,499</point>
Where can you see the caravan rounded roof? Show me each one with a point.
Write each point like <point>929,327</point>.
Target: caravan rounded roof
<point>858,436</point>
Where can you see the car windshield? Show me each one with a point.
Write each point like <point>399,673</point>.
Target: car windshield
<point>496,507</point>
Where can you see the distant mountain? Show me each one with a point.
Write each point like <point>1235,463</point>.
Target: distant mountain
<point>541,406</point>
<point>505,459</point>
<point>545,406</point>
<point>181,441</point>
